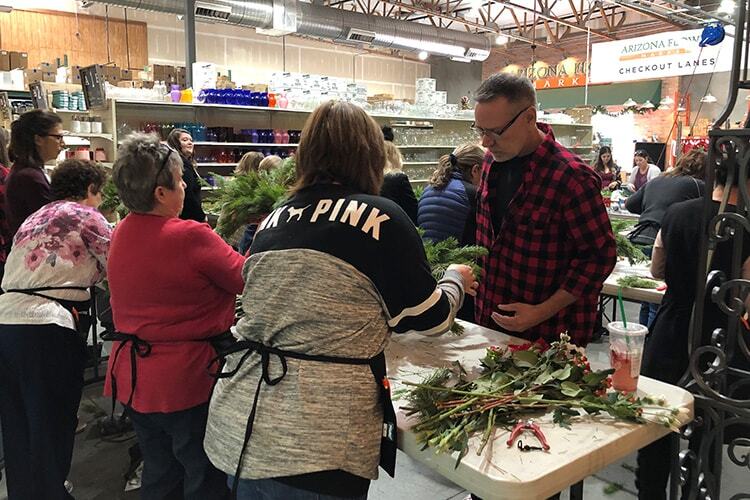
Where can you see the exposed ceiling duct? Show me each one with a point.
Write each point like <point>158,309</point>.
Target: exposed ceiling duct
<point>280,16</point>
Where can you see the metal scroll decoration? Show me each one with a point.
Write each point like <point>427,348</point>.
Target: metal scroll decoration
<point>718,374</point>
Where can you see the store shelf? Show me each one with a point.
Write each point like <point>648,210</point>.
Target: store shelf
<point>198,105</point>
<point>71,111</point>
<point>107,137</point>
<point>245,144</point>
<point>209,164</point>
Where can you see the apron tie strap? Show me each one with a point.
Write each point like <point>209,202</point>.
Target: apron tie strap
<point>376,363</point>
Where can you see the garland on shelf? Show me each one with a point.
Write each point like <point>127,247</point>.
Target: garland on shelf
<point>515,381</point>
<point>602,110</point>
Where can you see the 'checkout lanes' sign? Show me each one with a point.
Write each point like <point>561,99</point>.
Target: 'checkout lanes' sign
<point>657,56</point>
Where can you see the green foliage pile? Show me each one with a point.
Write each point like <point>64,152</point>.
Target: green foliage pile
<point>244,197</point>
<point>624,247</point>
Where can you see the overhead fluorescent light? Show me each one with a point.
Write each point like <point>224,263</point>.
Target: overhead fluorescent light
<point>461,59</point>
<point>477,54</point>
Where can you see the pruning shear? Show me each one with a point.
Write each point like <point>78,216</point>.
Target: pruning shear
<point>527,425</point>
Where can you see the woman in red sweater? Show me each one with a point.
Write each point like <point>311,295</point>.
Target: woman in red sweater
<point>173,285</point>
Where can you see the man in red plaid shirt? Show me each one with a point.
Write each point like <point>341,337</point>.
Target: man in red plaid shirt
<point>541,215</point>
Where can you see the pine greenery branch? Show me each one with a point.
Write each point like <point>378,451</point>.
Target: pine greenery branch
<point>111,201</point>
<point>625,248</point>
<point>637,282</point>
<point>247,196</point>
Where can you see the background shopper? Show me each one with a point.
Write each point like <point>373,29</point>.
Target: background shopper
<point>396,185</point>
<point>35,138</point>
<point>608,170</point>
<point>332,272</point>
<point>684,182</point>
<point>58,253</point>
<point>643,170</point>
<point>250,161</point>
<point>448,206</point>
<point>181,141</point>
<point>168,297</point>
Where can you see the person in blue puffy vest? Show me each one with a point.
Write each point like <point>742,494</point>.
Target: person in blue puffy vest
<point>448,205</point>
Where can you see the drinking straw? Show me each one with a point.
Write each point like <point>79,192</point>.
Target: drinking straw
<point>622,307</point>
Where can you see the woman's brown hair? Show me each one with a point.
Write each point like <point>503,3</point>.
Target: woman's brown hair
<point>692,163</point>
<point>463,159</point>
<point>173,139</point>
<point>22,150</point>
<point>250,161</point>
<point>343,144</point>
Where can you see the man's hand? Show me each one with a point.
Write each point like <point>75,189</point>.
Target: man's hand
<point>518,317</point>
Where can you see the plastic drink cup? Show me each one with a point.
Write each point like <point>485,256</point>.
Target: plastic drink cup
<point>625,353</point>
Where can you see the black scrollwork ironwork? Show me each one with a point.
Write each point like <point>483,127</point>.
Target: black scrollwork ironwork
<point>741,460</point>
<point>718,374</point>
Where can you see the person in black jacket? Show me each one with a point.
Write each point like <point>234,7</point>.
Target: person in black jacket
<point>396,185</point>
<point>181,141</point>
<point>683,182</point>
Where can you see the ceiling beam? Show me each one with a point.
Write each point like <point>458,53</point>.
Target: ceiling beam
<point>541,15</point>
<point>466,22</point>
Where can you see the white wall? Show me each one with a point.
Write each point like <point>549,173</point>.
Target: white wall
<point>252,57</point>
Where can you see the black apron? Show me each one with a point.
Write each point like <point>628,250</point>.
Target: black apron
<point>140,348</point>
<point>79,309</point>
<point>388,441</point>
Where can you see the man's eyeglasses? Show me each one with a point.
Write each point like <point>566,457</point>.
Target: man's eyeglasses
<point>167,154</point>
<point>495,134</point>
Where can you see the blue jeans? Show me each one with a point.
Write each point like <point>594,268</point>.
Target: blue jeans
<point>648,310</point>
<point>270,489</point>
<point>174,462</point>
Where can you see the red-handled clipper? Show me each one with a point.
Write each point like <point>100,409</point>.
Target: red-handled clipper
<point>527,425</point>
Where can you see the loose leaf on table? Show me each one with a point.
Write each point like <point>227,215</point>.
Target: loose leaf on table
<point>570,389</point>
<point>525,359</point>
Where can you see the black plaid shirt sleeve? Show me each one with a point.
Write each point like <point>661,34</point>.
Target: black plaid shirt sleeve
<point>587,223</point>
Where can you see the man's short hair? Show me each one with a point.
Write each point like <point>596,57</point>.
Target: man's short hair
<point>512,87</point>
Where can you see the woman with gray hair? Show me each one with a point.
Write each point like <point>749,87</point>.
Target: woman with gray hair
<point>173,284</point>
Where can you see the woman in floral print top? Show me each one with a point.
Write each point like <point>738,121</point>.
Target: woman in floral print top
<point>63,244</point>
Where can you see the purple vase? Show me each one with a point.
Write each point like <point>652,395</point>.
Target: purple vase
<point>176,94</point>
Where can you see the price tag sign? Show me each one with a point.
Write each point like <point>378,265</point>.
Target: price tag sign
<point>94,91</point>
<point>38,96</point>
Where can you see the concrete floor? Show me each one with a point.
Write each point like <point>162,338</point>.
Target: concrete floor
<point>99,464</point>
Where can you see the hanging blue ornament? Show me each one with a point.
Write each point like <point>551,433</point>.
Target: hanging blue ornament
<point>713,34</point>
